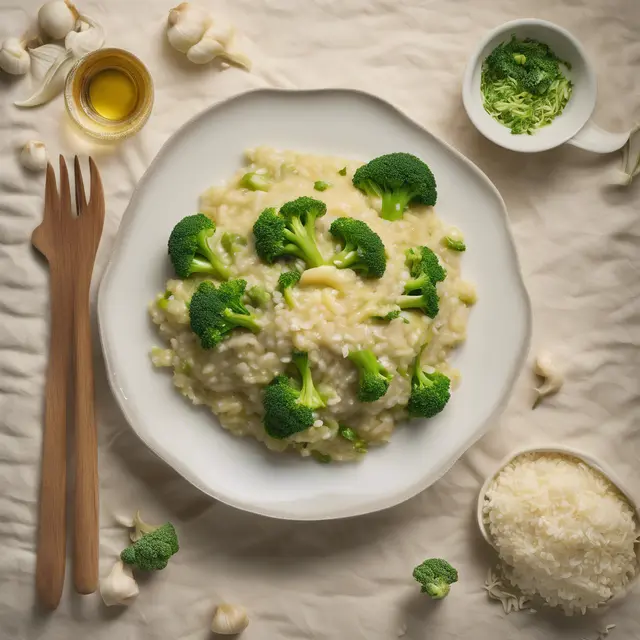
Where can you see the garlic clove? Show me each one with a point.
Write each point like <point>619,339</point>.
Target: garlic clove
<point>57,17</point>
<point>119,587</point>
<point>205,51</point>
<point>14,58</point>
<point>553,378</point>
<point>53,82</point>
<point>33,156</point>
<point>85,38</point>
<point>186,26</point>
<point>43,58</point>
<point>229,619</point>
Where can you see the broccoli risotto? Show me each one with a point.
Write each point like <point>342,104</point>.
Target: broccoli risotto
<point>315,319</point>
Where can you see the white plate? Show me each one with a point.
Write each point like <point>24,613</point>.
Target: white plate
<point>240,471</point>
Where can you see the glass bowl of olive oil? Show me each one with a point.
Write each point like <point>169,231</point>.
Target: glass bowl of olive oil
<point>109,94</point>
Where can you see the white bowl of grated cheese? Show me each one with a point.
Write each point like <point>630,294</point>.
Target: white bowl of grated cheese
<point>564,526</point>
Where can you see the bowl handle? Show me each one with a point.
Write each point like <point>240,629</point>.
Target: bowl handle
<point>592,138</point>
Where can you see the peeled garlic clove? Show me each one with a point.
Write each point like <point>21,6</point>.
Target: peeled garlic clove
<point>553,378</point>
<point>34,156</point>
<point>44,57</point>
<point>186,26</point>
<point>229,619</point>
<point>87,37</point>
<point>119,587</point>
<point>57,18</point>
<point>14,58</point>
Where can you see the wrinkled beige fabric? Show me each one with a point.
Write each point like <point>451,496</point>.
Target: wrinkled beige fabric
<point>346,580</point>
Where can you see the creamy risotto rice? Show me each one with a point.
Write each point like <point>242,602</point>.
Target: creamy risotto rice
<point>325,322</point>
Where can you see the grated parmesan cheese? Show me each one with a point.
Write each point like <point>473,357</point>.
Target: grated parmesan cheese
<point>563,530</point>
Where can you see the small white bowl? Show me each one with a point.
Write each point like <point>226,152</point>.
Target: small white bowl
<point>567,451</point>
<point>573,125</point>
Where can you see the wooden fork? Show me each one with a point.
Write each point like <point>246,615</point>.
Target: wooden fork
<point>70,245</point>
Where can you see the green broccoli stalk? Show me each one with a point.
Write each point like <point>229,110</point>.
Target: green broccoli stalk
<point>454,245</point>
<point>343,171</point>
<point>426,301</point>
<point>374,378</point>
<point>291,232</point>
<point>321,185</point>
<point>255,181</point>
<point>151,552</point>
<point>189,248</point>
<point>362,249</point>
<point>287,408</point>
<point>286,281</point>
<point>430,392</point>
<point>436,577</point>
<point>232,242</point>
<point>399,179</point>
<point>215,312</point>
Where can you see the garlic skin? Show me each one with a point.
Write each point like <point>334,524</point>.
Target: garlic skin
<point>119,587</point>
<point>229,619</point>
<point>57,17</point>
<point>553,377</point>
<point>87,36</point>
<point>33,156</point>
<point>14,58</point>
<point>191,30</point>
<point>186,26</point>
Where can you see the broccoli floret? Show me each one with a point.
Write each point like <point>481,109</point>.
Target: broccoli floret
<point>426,301</point>
<point>359,445</point>
<point>232,242</point>
<point>362,250</point>
<point>321,185</point>
<point>388,317</point>
<point>287,408</point>
<point>215,312</point>
<point>189,248</point>
<point>255,181</point>
<point>374,378</point>
<point>400,179</point>
<point>454,245</point>
<point>343,171</point>
<point>258,296</point>
<point>423,264</point>
<point>291,232</point>
<point>430,392</point>
<point>435,576</point>
<point>152,551</point>
<point>286,281</point>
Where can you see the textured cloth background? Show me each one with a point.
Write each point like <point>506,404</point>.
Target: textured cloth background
<point>350,579</point>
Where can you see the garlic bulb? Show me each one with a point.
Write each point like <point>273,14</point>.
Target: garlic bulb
<point>553,378</point>
<point>57,18</point>
<point>14,58</point>
<point>186,26</point>
<point>119,587</point>
<point>229,619</point>
<point>34,156</point>
<point>193,31</point>
<point>85,38</point>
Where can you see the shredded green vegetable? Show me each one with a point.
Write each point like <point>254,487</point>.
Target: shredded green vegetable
<point>522,85</point>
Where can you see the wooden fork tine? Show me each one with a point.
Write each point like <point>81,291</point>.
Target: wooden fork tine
<point>65,190</point>
<point>81,199</point>
<point>97,192</point>
<point>51,198</point>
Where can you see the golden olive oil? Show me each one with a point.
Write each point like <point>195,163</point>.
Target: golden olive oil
<point>109,94</point>
<point>112,94</point>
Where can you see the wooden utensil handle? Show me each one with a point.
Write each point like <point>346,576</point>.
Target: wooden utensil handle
<point>85,568</point>
<point>52,532</point>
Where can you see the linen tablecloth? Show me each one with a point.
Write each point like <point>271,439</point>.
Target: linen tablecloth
<point>578,241</point>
